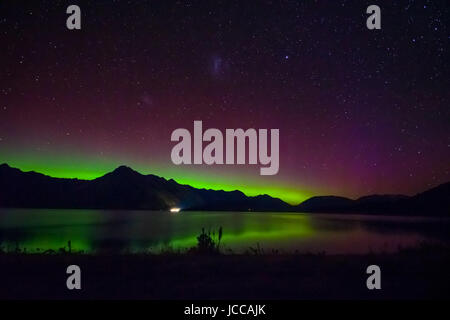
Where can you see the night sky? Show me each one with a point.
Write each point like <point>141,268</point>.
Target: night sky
<point>359,111</point>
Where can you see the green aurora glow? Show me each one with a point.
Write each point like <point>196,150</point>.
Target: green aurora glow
<point>90,167</point>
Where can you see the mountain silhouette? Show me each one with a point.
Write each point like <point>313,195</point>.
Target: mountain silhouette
<point>325,204</point>
<point>367,204</point>
<point>433,202</point>
<point>125,188</point>
<point>122,188</point>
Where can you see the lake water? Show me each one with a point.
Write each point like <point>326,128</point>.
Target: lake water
<point>137,231</point>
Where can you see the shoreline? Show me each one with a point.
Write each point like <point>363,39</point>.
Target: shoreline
<point>415,273</point>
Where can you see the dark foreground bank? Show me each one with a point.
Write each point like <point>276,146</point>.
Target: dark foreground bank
<point>410,274</point>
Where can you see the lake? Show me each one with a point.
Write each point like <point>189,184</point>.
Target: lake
<point>138,231</point>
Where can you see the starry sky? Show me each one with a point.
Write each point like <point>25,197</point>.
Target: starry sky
<point>359,111</point>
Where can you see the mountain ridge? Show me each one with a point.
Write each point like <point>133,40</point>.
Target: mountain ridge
<point>122,188</point>
<point>125,188</point>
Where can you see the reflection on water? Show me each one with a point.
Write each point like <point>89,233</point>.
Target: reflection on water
<point>98,230</point>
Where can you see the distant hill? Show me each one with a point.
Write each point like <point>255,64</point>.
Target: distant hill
<point>434,202</point>
<point>125,188</point>
<point>325,204</point>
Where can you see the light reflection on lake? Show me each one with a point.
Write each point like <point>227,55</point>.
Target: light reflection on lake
<point>137,231</point>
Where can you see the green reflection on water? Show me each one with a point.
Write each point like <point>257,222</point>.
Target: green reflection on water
<point>138,231</point>
<point>96,230</point>
<point>251,238</point>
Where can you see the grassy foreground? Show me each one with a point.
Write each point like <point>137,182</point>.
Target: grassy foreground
<point>420,273</point>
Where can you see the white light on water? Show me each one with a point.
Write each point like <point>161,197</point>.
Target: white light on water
<point>175,209</point>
